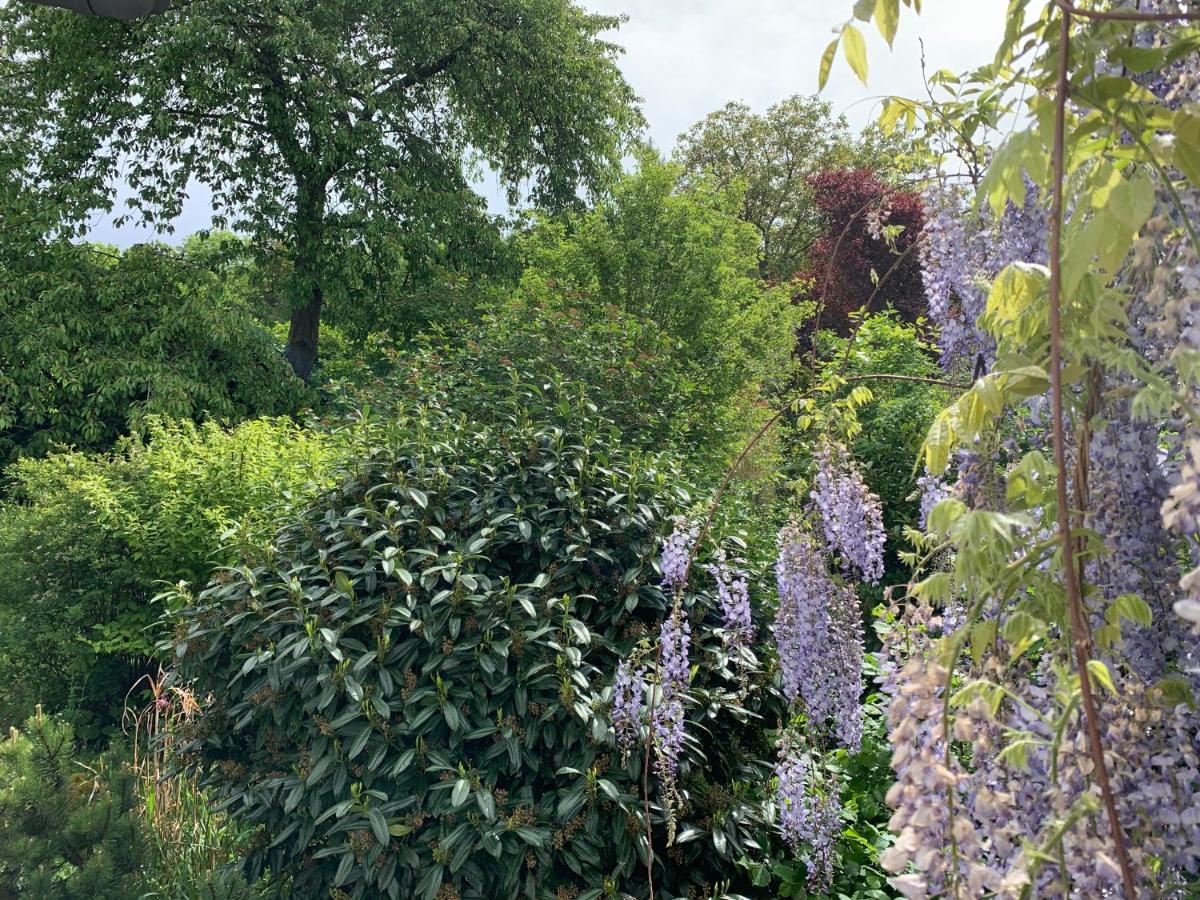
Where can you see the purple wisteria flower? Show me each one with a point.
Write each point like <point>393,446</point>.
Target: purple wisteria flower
<point>628,705</point>
<point>733,591</point>
<point>933,490</point>
<point>818,634</point>
<point>851,514</point>
<point>676,554</point>
<point>809,814</point>
<point>674,639</point>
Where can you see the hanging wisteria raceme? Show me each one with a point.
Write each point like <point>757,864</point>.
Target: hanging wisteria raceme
<point>931,490</point>
<point>1128,488</point>
<point>667,717</point>
<point>628,705</point>
<point>851,515</point>
<point>951,260</point>
<point>818,635</point>
<point>677,554</point>
<point>962,250</point>
<point>733,592</point>
<point>809,811</point>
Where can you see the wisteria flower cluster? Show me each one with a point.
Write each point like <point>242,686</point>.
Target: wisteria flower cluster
<point>628,705</point>
<point>851,514</point>
<point>809,811</point>
<point>668,715</point>
<point>818,634</point>
<point>733,592</point>
<point>676,559</point>
<point>962,250</point>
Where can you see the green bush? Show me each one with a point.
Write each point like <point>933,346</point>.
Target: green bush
<point>87,540</point>
<point>67,832</point>
<point>411,695</point>
<point>92,342</point>
<point>661,282</point>
<point>895,421</point>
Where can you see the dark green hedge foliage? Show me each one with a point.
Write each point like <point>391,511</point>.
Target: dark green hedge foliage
<point>412,697</point>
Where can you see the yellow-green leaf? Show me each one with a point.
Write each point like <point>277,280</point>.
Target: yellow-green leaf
<point>887,18</point>
<point>1100,674</point>
<point>1187,146</point>
<point>855,49</point>
<point>826,63</point>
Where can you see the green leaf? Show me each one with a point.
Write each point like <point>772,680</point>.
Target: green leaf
<point>887,18</point>
<point>1100,674</point>
<point>486,803</point>
<point>462,790</point>
<point>827,63</point>
<point>855,50</point>
<point>1021,630</point>
<point>379,825</point>
<point>1187,146</point>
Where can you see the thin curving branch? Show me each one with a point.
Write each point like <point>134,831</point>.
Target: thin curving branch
<point>1079,625</point>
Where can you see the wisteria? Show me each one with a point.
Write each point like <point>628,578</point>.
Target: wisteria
<point>676,559</point>
<point>628,704</point>
<point>962,250</point>
<point>851,515</point>
<point>818,637</point>
<point>668,714</point>
<point>809,811</point>
<point>733,592</point>
<point>931,490</point>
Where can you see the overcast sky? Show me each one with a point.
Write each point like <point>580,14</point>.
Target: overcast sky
<point>688,57</point>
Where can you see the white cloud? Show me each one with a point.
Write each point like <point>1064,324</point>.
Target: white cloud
<point>689,57</point>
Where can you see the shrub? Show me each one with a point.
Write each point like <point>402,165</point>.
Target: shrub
<point>67,832</point>
<point>93,342</point>
<point>411,696</point>
<point>87,540</point>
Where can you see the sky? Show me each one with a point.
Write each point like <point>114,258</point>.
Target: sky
<point>686,58</point>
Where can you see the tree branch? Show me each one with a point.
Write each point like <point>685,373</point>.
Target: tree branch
<point>1124,15</point>
<point>1074,591</point>
<point>421,74</point>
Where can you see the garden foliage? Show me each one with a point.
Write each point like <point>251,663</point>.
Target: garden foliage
<point>411,693</point>
<point>67,832</point>
<point>88,540</point>
<point>93,342</point>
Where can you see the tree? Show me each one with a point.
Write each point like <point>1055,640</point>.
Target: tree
<point>773,154</point>
<point>66,831</point>
<point>867,250</point>
<point>116,9</point>
<point>675,257</point>
<point>93,341</point>
<point>325,129</point>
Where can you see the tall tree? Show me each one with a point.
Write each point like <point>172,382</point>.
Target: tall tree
<point>773,154</point>
<point>868,250</point>
<point>323,128</point>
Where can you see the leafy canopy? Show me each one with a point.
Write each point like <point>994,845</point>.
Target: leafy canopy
<point>771,156</point>
<point>675,262</point>
<point>332,131</point>
<point>93,342</point>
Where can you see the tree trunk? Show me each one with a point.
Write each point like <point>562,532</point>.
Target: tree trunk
<point>301,350</point>
<point>307,265</point>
